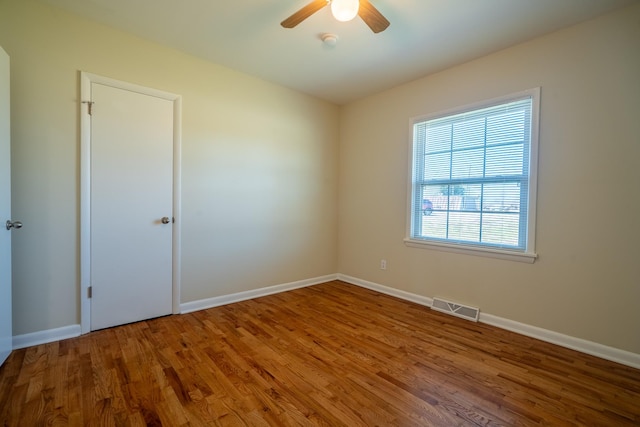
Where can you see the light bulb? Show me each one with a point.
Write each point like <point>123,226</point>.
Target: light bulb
<point>345,10</point>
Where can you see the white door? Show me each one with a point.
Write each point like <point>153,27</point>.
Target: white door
<point>131,205</point>
<point>5,211</point>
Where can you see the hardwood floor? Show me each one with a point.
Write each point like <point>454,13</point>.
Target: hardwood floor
<point>327,355</point>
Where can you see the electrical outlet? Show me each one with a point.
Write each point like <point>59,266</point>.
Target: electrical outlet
<point>383,264</point>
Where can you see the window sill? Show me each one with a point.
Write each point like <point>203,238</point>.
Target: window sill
<point>470,250</point>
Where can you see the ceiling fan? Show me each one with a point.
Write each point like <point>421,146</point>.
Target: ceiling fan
<point>342,10</point>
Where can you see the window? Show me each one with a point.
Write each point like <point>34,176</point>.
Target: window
<point>473,186</point>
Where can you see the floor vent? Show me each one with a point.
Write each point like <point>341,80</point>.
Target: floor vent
<point>459,310</point>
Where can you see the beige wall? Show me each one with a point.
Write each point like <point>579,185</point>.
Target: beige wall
<point>259,173</point>
<point>586,282</point>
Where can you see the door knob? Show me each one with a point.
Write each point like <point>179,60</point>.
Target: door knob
<point>13,224</point>
<point>164,220</point>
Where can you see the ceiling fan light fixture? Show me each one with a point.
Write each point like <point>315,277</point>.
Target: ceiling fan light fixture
<point>345,10</point>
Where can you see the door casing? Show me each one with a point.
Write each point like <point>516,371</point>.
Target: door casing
<point>86,80</point>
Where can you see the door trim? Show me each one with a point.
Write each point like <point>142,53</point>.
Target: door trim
<point>86,79</point>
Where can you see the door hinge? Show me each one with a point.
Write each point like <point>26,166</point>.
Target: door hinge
<point>89,106</point>
<point>89,291</point>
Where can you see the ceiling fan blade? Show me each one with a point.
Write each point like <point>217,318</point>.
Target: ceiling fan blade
<point>304,13</point>
<point>372,17</point>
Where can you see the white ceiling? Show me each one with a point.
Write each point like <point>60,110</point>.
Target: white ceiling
<point>425,36</point>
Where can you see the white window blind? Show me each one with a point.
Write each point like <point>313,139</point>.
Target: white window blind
<point>471,181</point>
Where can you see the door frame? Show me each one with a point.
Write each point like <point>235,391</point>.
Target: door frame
<point>86,79</point>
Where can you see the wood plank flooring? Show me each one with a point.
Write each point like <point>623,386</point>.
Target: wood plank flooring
<point>327,355</point>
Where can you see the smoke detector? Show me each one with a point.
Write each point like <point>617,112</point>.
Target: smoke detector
<point>329,39</point>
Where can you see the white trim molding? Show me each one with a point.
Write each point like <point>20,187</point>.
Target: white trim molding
<point>46,336</point>
<point>203,304</point>
<point>469,250</point>
<point>588,347</point>
<point>407,296</point>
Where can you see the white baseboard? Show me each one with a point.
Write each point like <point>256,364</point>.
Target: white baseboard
<point>407,296</point>
<point>72,331</point>
<point>46,336</point>
<point>605,352</point>
<point>202,304</point>
<point>589,347</point>
<point>578,344</point>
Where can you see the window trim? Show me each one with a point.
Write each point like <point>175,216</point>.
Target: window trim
<point>528,255</point>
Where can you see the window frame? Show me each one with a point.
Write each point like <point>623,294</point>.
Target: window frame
<point>528,254</point>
